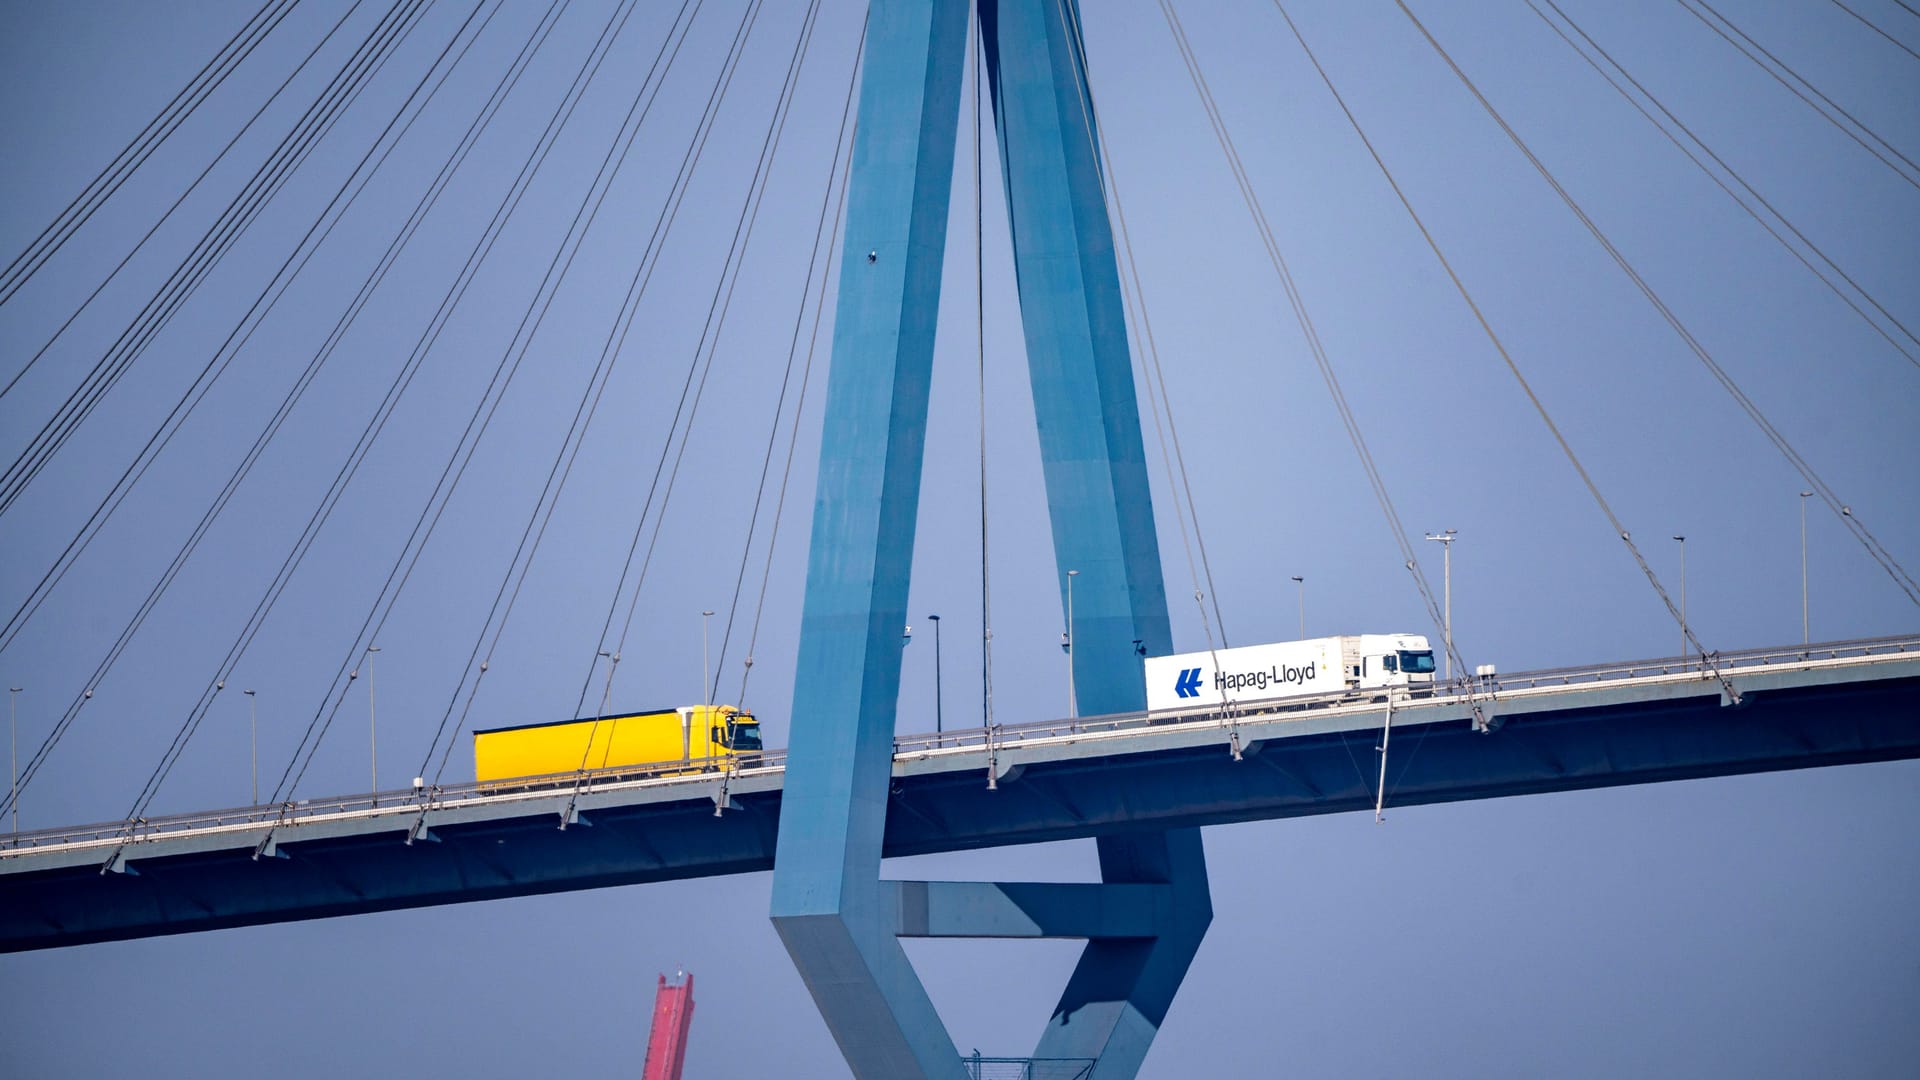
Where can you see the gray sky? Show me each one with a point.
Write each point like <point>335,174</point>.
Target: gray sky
<point>1754,926</point>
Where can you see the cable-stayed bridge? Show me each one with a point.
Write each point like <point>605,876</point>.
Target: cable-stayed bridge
<point>1122,780</point>
<point>1833,704</point>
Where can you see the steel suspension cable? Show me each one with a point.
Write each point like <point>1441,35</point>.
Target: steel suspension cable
<point>696,148</point>
<point>305,379</point>
<point>636,291</point>
<point>484,410</point>
<point>1747,47</point>
<point>78,703</point>
<point>504,87</point>
<point>1311,334</point>
<point>1566,448</point>
<point>716,320</point>
<point>1876,28</point>
<point>436,75</point>
<point>193,186</point>
<point>786,378</point>
<point>838,197</point>
<point>213,246</point>
<point>1737,178</point>
<point>1136,311</point>
<point>683,178</point>
<point>977,63</point>
<point>507,594</point>
<point>157,130</point>
<point>756,188</point>
<point>304,542</point>
<point>262,306</point>
<point>530,323</point>
<point>1480,719</point>
<point>736,257</point>
<point>1874,548</point>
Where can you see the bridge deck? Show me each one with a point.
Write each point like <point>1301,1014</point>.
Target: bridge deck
<point>1559,730</point>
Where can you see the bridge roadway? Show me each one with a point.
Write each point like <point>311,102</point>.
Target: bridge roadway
<point>1561,730</point>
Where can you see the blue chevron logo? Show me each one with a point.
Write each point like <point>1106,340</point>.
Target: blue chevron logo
<point>1188,684</point>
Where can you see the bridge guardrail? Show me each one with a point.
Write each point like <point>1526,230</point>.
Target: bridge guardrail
<point>395,801</point>
<point>1000,736</point>
<point>1727,661</point>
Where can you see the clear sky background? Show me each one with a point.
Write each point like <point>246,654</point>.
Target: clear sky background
<point>1758,926</point>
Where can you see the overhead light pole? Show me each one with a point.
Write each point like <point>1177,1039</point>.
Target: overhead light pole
<point>1683,596</point>
<point>1806,636</point>
<point>606,692</point>
<point>253,726</point>
<point>1066,646</point>
<point>13,752</point>
<point>939,722</point>
<point>373,737</point>
<point>1301,590</point>
<point>706,668</point>
<point>1445,539</point>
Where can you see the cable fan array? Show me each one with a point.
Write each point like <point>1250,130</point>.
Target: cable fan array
<point>657,96</point>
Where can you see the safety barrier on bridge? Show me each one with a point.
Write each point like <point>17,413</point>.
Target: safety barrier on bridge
<point>702,772</point>
<point>1640,723</point>
<point>701,776</point>
<point>1678,666</point>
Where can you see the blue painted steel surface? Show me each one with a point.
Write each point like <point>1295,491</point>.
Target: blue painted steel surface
<point>1091,449</point>
<point>1027,909</point>
<point>827,897</point>
<point>835,917</point>
<point>832,912</point>
<point>1097,494</point>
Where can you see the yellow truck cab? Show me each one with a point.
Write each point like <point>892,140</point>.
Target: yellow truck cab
<point>699,737</point>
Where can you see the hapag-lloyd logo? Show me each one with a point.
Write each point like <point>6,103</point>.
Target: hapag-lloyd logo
<point>1278,675</point>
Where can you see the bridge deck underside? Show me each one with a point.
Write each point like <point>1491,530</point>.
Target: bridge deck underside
<point>1532,753</point>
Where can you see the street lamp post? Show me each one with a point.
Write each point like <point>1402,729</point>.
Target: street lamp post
<point>939,723</point>
<point>1301,582</point>
<point>1066,645</point>
<point>13,752</point>
<point>253,726</point>
<point>373,739</point>
<point>1445,539</point>
<point>1683,596</point>
<point>1806,636</point>
<point>706,666</point>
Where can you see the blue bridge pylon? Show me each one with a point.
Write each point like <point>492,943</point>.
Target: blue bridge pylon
<point>839,921</point>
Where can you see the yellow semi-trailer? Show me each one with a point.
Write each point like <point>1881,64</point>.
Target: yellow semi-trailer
<point>703,736</point>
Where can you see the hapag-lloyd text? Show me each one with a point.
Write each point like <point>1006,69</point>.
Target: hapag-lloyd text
<point>1278,675</point>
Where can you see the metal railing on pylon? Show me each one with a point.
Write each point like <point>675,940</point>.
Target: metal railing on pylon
<point>1016,1068</point>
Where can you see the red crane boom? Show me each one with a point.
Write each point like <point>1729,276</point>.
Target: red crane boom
<point>672,1016</point>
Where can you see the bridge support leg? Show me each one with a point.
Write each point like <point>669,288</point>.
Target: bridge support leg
<point>1097,495</point>
<point>827,895</point>
<point>838,920</point>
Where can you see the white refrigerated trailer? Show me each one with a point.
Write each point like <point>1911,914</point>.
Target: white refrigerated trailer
<point>1351,665</point>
